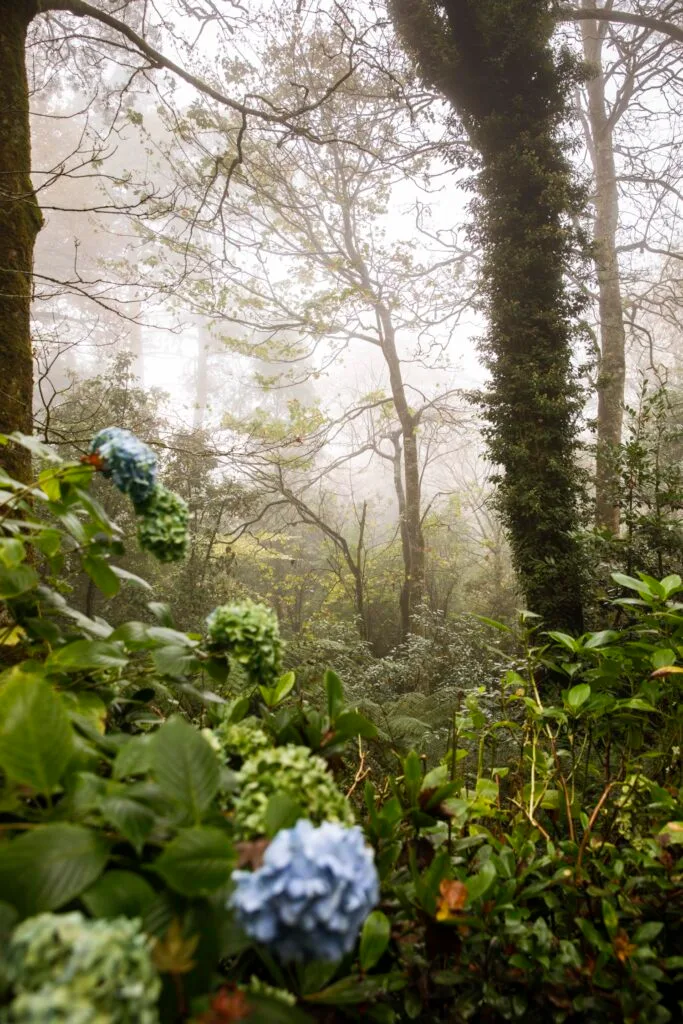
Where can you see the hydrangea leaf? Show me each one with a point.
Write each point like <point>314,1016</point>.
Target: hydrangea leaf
<point>197,861</point>
<point>47,868</point>
<point>185,766</point>
<point>119,894</point>
<point>36,739</point>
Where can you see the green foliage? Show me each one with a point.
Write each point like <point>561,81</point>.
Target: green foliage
<point>292,772</point>
<point>646,468</point>
<point>66,968</point>
<point>531,863</point>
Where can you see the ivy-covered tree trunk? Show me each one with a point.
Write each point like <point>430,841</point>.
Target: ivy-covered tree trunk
<point>492,59</point>
<point>20,221</point>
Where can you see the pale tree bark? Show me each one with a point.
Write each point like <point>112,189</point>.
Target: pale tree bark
<point>412,591</point>
<point>612,373</point>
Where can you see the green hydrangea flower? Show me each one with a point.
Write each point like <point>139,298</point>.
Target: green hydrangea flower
<point>249,633</point>
<point>299,774</point>
<point>163,527</point>
<point>66,968</point>
<point>241,740</point>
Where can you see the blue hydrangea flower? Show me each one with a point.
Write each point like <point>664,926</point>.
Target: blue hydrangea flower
<point>131,464</point>
<point>310,897</point>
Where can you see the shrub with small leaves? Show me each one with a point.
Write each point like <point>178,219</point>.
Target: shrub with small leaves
<point>163,527</point>
<point>249,633</point>
<point>131,464</point>
<point>309,899</point>
<point>66,968</point>
<point>296,773</point>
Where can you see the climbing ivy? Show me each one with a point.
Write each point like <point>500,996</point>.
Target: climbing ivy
<point>496,64</point>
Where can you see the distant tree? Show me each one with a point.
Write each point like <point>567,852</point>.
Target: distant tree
<point>101,42</point>
<point>303,266</point>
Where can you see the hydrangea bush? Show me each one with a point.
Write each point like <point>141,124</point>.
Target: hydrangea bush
<point>65,968</point>
<point>298,774</point>
<point>548,888</point>
<point>310,897</point>
<point>249,632</point>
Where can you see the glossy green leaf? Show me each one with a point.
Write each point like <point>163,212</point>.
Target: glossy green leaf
<point>83,655</point>
<point>36,738</point>
<point>119,894</point>
<point>578,695</point>
<point>134,757</point>
<point>374,939</point>
<point>132,819</point>
<point>17,581</point>
<point>46,868</point>
<point>197,861</point>
<point>185,766</point>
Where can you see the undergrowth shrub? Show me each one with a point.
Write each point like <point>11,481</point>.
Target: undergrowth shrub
<point>528,868</point>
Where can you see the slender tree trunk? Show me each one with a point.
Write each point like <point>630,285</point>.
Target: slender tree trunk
<point>412,537</point>
<point>20,221</point>
<point>612,375</point>
<point>201,384</point>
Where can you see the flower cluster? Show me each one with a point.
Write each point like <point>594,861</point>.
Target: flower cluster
<point>242,739</point>
<point>249,633</point>
<point>65,968</point>
<point>310,897</point>
<point>131,464</point>
<point>295,772</point>
<point>163,527</point>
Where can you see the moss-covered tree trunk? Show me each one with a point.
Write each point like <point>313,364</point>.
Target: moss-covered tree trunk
<point>493,61</point>
<point>20,222</point>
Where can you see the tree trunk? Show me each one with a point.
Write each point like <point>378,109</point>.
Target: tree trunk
<point>201,381</point>
<point>412,591</point>
<point>495,64</point>
<point>20,221</point>
<point>612,376</point>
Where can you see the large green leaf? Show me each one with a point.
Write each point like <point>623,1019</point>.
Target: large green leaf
<point>174,660</point>
<point>185,766</point>
<point>119,893</point>
<point>134,757</point>
<point>47,868</point>
<point>197,861</point>
<point>17,581</point>
<point>86,654</point>
<point>36,739</point>
<point>132,819</point>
